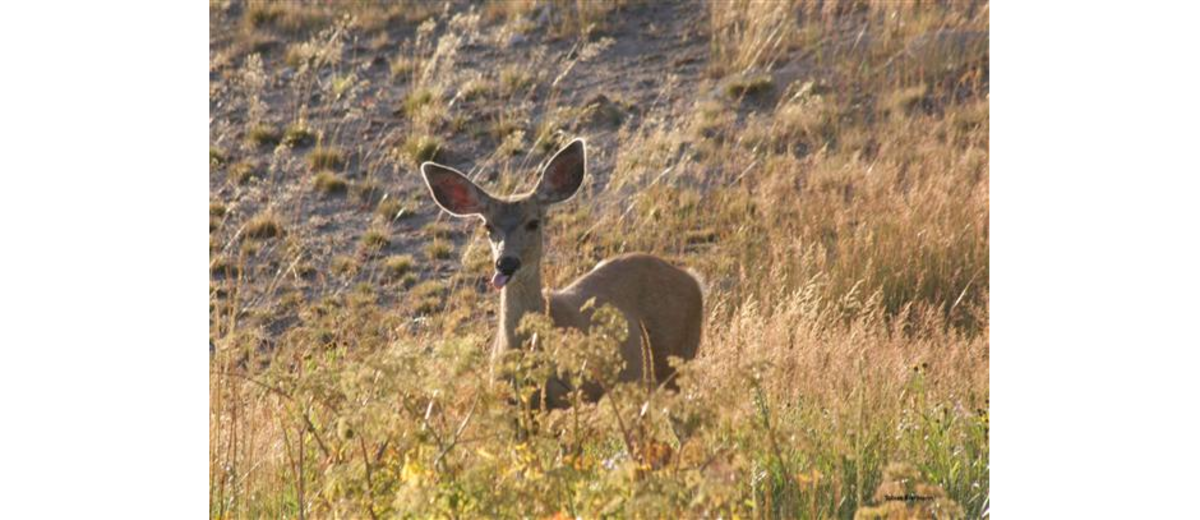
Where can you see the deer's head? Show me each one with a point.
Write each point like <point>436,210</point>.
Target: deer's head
<point>514,224</point>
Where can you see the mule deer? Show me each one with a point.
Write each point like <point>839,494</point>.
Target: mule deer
<point>660,302</point>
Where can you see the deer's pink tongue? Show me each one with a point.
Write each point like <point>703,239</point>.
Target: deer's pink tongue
<point>498,280</point>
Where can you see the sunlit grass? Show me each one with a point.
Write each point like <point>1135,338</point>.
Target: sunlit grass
<point>840,223</point>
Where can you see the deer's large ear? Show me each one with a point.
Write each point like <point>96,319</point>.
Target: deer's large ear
<point>563,174</point>
<point>453,191</point>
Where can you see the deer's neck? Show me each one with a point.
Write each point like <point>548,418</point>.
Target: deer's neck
<point>521,296</point>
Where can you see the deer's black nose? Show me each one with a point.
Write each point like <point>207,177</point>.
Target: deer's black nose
<point>508,265</point>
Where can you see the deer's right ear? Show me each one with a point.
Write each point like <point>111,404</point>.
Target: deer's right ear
<point>453,191</point>
<point>563,174</point>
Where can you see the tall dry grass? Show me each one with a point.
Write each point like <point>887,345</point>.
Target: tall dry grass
<point>841,222</point>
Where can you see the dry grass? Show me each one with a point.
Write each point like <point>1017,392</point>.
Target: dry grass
<point>329,183</point>
<point>325,158</point>
<point>751,34</point>
<point>375,239</point>
<point>841,223</point>
<point>243,172</point>
<point>263,135</point>
<point>266,225</point>
<point>398,265</point>
<point>417,149</point>
<point>298,135</point>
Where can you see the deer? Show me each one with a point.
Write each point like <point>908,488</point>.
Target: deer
<point>662,304</point>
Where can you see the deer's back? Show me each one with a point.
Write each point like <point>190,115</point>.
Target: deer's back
<point>662,299</point>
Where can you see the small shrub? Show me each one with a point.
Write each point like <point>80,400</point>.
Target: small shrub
<point>329,183</point>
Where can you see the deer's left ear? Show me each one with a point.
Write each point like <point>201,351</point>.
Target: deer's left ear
<point>563,174</point>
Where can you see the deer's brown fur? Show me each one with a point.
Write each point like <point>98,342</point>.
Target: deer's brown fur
<point>660,302</point>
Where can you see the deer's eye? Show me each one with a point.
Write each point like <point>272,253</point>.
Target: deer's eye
<point>532,225</point>
<point>490,229</point>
